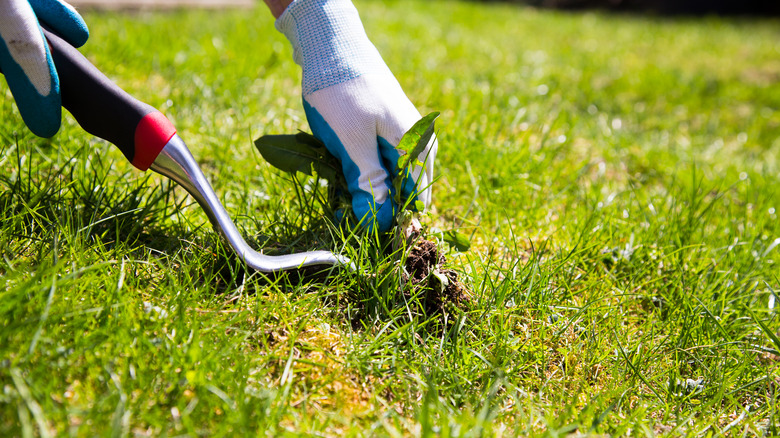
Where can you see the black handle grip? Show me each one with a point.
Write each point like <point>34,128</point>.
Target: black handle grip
<point>105,110</point>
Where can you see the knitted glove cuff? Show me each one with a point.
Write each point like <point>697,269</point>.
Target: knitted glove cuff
<point>329,42</point>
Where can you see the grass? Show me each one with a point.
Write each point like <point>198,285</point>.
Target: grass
<point>617,176</point>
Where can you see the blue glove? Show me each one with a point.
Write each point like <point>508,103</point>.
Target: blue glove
<point>26,62</point>
<point>355,105</point>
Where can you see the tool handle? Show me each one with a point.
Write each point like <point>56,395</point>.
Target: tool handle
<point>107,111</point>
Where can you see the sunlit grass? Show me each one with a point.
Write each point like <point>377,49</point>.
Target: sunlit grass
<point>617,176</point>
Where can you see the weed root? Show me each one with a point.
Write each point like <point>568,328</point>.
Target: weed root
<point>431,280</point>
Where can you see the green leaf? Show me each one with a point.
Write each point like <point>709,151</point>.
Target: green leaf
<point>300,152</point>
<point>415,140</point>
<point>457,240</point>
<point>412,144</point>
<point>443,280</point>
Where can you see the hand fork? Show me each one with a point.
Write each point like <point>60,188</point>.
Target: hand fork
<point>149,141</point>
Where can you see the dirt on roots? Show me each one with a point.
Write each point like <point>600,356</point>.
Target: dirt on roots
<point>427,274</point>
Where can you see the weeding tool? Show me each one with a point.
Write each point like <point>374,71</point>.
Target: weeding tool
<point>149,141</point>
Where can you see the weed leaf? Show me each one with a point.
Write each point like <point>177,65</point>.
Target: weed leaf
<point>415,140</point>
<point>412,144</point>
<point>300,152</point>
<point>457,240</point>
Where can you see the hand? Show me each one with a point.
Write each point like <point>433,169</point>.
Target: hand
<point>26,61</point>
<point>355,105</point>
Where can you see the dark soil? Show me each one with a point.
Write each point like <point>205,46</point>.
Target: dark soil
<point>423,260</point>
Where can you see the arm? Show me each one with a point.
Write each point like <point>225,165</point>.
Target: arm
<point>354,104</point>
<point>277,6</point>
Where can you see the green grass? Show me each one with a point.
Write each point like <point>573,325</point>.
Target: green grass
<point>618,176</point>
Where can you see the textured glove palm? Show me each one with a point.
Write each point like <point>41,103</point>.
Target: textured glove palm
<point>26,62</point>
<point>354,104</point>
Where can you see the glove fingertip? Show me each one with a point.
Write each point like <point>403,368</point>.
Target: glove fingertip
<point>78,35</point>
<point>385,216</point>
<point>42,117</point>
<point>47,129</point>
<point>75,33</point>
<point>63,19</point>
<point>371,215</point>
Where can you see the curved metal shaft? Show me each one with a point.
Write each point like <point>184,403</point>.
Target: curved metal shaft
<point>176,162</point>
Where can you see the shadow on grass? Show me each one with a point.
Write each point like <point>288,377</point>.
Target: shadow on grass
<point>84,203</point>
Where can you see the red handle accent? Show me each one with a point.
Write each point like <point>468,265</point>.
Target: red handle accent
<point>153,132</point>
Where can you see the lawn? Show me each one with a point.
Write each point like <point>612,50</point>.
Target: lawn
<point>616,175</point>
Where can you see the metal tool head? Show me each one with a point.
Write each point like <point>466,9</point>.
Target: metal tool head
<point>176,162</point>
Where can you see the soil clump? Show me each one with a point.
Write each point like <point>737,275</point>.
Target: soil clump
<point>425,271</point>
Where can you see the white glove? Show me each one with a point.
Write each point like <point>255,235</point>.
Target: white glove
<point>355,105</point>
<point>26,62</point>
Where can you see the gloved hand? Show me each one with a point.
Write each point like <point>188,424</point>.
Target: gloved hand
<point>26,62</point>
<point>355,105</point>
